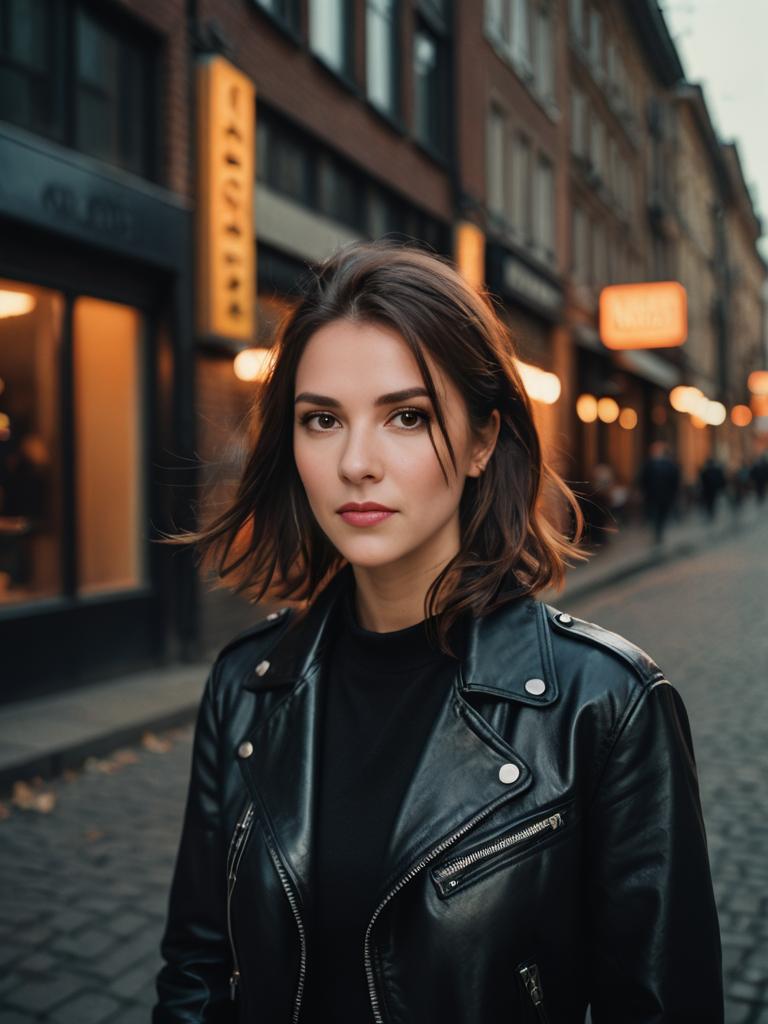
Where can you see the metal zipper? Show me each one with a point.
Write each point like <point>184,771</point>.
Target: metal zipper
<point>409,875</point>
<point>529,975</point>
<point>234,855</point>
<point>294,907</point>
<point>552,821</point>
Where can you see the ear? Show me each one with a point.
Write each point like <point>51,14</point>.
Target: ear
<point>486,442</point>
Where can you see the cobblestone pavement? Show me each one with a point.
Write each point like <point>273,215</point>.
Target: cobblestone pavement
<point>86,865</point>
<point>704,620</point>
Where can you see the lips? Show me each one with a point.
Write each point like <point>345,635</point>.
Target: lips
<point>365,506</point>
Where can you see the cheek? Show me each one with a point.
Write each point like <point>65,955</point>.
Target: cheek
<point>308,465</point>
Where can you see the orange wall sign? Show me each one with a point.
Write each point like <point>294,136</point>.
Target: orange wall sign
<point>226,279</point>
<point>648,315</point>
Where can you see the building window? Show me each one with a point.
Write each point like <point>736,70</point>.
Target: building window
<point>329,25</point>
<point>495,161</point>
<point>545,58</point>
<point>576,19</point>
<point>497,20</point>
<point>521,187</point>
<point>580,246</point>
<point>107,354</point>
<point>596,41</point>
<point>340,193</point>
<point>578,122</point>
<point>284,11</point>
<point>31,450</point>
<point>597,144</point>
<point>381,44</point>
<point>544,222</point>
<point>430,89</point>
<point>599,255</point>
<point>71,74</point>
<point>521,34</point>
<point>43,501</point>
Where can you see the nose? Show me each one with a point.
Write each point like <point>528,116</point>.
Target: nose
<point>360,458</point>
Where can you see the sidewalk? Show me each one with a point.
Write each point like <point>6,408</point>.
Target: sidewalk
<point>47,735</point>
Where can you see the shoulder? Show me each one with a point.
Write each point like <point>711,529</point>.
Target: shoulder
<point>565,626</point>
<point>236,660</point>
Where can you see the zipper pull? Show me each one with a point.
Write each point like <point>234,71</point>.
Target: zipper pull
<point>530,976</point>
<point>233,980</point>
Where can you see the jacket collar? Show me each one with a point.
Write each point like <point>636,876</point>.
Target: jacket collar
<point>505,649</point>
<point>458,779</point>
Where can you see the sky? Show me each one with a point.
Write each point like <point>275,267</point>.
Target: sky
<point>723,44</point>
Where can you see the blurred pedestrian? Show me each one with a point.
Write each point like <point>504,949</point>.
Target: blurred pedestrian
<point>659,481</point>
<point>711,483</point>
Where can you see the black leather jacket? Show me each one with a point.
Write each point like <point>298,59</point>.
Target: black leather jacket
<point>550,851</point>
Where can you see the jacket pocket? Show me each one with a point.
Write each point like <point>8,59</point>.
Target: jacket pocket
<point>529,980</point>
<point>451,875</point>
<point>237,845</point>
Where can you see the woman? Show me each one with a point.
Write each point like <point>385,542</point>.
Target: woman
<point>424,795</point>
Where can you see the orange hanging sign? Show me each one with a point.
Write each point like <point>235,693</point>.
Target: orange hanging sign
<point>653,314</point>
<point>226,279</point>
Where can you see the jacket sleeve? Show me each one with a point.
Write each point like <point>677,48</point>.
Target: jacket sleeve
<point>192,985</point>
<point>654,954</point>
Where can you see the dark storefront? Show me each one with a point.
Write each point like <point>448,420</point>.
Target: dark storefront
<point>95,416</point>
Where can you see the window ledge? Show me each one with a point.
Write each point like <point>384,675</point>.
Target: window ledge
<point>286,30</point>
<point>393,121</point>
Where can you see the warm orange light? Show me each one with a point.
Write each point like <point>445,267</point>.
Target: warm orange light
<point>684,399</point>
<point>252,363</point>
<point>714,413</point>
<point>15,303</point>
<point>741,415</point>
<point>697,421</point>
<point>586,408</point>
<point>759,405</point>
<point>628,419</point>
<point>226,278</point>
<point>757,382</point>
<point>647,315</point>
<point>608,410</point>
<point>470,252</point>
<point>539,384</point>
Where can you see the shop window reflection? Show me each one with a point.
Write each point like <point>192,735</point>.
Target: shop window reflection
<point>30,445</point>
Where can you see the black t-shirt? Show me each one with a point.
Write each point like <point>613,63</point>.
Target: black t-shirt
<point>380,695</point>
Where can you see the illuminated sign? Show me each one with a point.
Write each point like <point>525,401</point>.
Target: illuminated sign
<point>469,245</point>
<point>226,278</point>
<point>647,315</point>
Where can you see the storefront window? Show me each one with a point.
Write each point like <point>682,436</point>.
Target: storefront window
<point>108,445</point>
<point>30,442</point>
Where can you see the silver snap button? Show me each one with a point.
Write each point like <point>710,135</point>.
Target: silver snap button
<point>272,616</point>
<point>261,668</point>
<point>509,773</point>
<point>565,618</point>
<point>535,686</point>
<point>245,749</point>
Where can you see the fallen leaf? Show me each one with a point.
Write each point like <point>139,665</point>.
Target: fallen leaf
<point>157,744</point>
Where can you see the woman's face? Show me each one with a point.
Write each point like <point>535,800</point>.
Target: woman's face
<point>360,436</point>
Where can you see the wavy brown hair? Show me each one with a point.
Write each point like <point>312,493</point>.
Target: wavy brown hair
<point>509,546</point>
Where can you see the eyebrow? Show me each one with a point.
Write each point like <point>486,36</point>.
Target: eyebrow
<point>389,399</point>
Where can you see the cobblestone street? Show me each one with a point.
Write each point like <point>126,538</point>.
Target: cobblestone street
<point>85,869</point>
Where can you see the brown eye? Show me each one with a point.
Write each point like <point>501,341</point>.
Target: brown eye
<point>414,418</point>
<point>324,416</point>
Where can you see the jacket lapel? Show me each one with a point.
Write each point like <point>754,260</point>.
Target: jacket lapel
<point>457,776</point>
